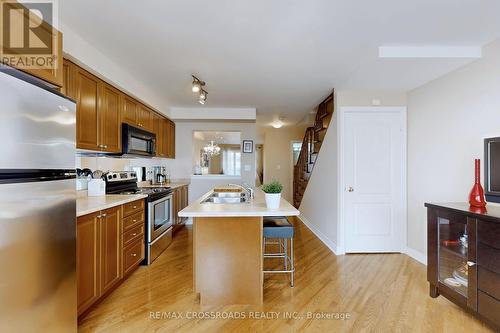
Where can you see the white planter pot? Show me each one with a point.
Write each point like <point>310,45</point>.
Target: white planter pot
<point>273,200</point>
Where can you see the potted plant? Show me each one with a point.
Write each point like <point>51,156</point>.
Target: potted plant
<point>273,194</point>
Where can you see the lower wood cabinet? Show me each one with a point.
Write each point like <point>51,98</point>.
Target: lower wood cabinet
<point>110,245</point>
<point>110,232</point>
<point>87,260</point>
<point>180,201</point>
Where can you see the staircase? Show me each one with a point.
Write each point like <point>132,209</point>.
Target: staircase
<point>311,145</point>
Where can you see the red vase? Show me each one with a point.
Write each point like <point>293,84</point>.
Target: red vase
<point>476,196</point>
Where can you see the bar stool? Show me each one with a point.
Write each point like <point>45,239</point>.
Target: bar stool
<point>278,227</point>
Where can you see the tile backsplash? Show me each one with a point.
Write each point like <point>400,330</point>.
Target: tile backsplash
<point>119,164</point>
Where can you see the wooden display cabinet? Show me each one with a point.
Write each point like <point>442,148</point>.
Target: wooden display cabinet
<point>463,254</point>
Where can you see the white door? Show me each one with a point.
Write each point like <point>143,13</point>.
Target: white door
<point>374,144</point>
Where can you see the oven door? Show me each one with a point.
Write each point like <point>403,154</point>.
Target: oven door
<point>159,217</point>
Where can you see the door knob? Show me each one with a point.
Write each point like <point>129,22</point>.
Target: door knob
<point>349,189</point>
<point>471,263</point>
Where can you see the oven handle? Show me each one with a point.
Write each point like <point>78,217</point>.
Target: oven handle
<point>161,200</point>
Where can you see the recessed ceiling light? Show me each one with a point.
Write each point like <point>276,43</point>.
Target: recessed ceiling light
<point>277,124</point>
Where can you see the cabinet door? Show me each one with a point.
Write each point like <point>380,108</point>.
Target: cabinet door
<point>109,115</point>
<point>68,79</point>
<point>164,136</point>
<point>176,204</point>
<point>129,111</point>
<point>86,91</point>
<point>170,134</point>
<point>145,118</point>
<point>87,260</point>
<point>158,130</point>
<point>111,248</point>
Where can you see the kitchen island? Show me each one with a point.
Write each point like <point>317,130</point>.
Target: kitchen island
<point>228,248</point>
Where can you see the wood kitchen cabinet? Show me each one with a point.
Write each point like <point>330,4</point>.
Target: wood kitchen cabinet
<point>101,109</point>
<point>86,91</point>
<point>98,238</point>
<point>110,105</point>
<point>87,260</point>
<point>145,118</point>
<point>110,248</point>
<point>170,138</point>
<point>110,245</point>
<point>129,111</point>
<point>98,110</point>
<point>180,198</point>
<point>67,88</point>
<point>464,257</point>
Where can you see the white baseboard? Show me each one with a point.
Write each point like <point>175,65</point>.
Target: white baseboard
<point>417,255</point>
<point>322,237</point>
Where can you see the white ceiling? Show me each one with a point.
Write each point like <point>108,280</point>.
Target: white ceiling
<point>281,56</point>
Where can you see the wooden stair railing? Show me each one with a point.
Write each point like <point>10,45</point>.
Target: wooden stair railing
<point>311,145</point>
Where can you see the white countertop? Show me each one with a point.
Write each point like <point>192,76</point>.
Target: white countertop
<point>86,205</point>
<point>255,207</point>
<point>172,185</point>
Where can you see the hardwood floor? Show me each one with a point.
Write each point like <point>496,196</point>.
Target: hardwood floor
<point>379,292</point>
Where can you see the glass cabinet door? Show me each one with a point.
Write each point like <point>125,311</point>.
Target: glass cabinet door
<point>453,244</point>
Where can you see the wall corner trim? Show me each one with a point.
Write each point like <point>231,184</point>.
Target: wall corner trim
<point>322,237</point>
<point>417,255</point>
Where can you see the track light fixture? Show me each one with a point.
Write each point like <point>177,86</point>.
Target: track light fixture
<point>198,88</point>
<point>197,84</point>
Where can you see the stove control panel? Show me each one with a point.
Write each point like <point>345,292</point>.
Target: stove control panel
<point>117,176</point>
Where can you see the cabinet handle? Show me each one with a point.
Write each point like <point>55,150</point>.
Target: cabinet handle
<point>471,263</point>
<point>134,207</point>
<point>103,215</point>
<point>134,255</point>
<point>134,220</point>
<point>99,216</point>
<point>134,234</point>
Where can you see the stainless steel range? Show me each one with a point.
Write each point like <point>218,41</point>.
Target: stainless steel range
<point>158,210</point>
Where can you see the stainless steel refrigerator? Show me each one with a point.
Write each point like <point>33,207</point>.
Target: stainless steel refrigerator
<point>37,207</point>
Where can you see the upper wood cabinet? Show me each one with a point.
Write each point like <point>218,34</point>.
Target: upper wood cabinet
<point>129,111</point>
<point>101,109</point>
<point>170,134</point>
<point>66,88</point>
<point>145,118</point>
<point>87,90</point>
<point>110,106</point>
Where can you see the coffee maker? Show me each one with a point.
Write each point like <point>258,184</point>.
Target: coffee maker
<point>159,175</point>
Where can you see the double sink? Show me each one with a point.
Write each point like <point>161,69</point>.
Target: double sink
<point>226,198</point>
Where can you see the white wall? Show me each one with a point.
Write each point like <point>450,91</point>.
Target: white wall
<point>320,204</point>
<point>278,156</point>
<point>85,54</point>
<point>447,121</point>
<point>182,166</point>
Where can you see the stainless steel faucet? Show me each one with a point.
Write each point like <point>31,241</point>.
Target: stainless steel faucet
<point>250,191</point>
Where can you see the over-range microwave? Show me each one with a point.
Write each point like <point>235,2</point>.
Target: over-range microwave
<point>136,141</point>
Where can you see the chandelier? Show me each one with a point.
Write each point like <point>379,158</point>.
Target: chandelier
<point>211,149</point>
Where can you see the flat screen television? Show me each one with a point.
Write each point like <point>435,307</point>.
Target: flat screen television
<point>492,169</point>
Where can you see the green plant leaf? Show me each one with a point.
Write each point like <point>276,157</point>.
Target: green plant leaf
<point>273,187</point>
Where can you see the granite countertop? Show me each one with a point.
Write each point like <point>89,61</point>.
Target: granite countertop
<point>255,207</point>
<point>86,205</point>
